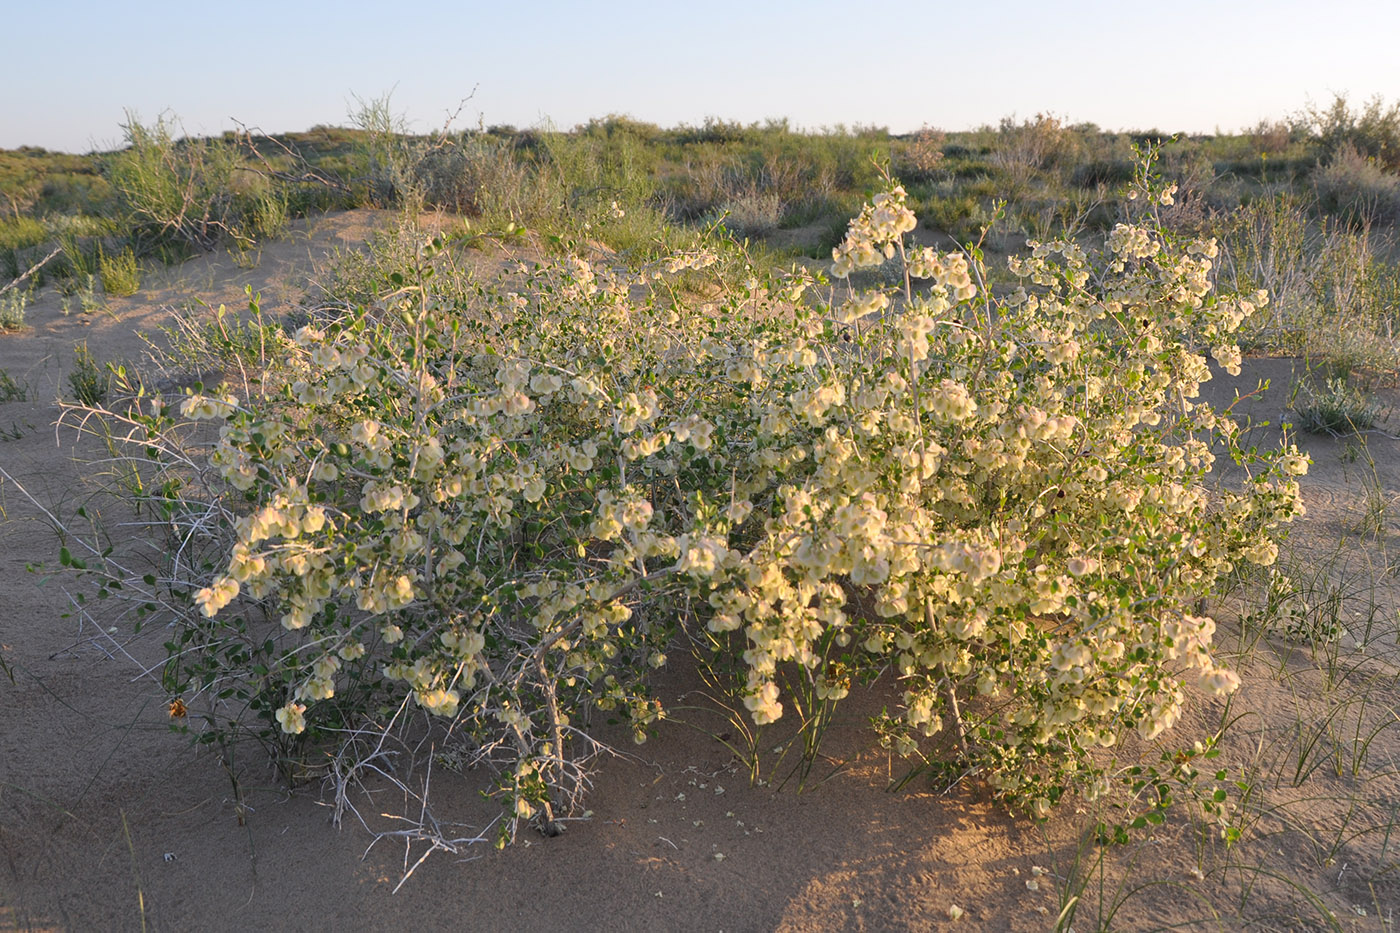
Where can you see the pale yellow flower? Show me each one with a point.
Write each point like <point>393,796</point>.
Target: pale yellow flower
<point>292,718</point>
<point>216,596</point>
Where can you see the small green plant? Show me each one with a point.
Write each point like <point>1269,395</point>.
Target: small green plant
<point>11,391</point>
<point>82,289</point>
<point>15,431</point>
<point>120,274</point>
<point>225,342</point>
<point>12,307</point>
<point>89,379</point>
<point>1338,408</point>
<point>270,214</point>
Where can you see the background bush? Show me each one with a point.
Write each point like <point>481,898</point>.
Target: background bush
<point>1358,189</point>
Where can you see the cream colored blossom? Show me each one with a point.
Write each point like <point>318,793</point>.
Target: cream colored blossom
<point>292,718</point>
<point>1079,566</point>
<point>216,596</point>
<point>203,407</point>
<point>352,651</point>
<point>439,702</point>
<point>1229,358</point>
<point>763,704</point>
<point>1219,682</point>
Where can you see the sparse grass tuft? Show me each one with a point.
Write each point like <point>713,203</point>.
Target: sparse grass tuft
<point>12,305</point>
<point>89,379</point>
<point>752,213</point>
<point>120,274</point>
<point>1338,408</point>
<point>11,391</point>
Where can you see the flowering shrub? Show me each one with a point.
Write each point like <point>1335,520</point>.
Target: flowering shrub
<point>503,511</point>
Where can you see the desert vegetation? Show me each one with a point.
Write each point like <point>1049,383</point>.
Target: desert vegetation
<point>910,451</point>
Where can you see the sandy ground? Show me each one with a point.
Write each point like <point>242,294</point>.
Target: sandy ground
<point>108,821</point>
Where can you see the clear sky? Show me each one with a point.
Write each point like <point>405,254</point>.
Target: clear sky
<point>71,68</point>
